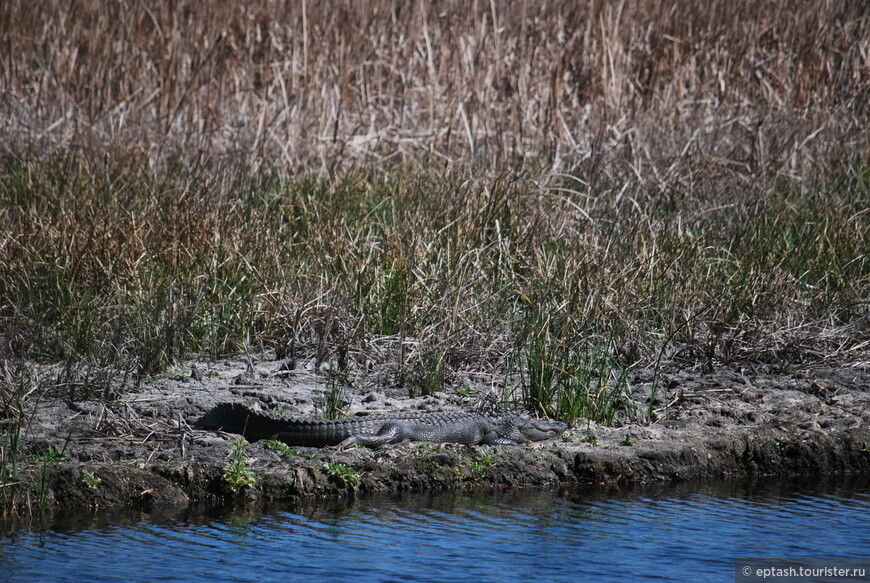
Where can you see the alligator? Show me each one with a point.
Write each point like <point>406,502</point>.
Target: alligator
<point>377,430</point>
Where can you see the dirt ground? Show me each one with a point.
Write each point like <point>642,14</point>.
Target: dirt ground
<point>141,451</point>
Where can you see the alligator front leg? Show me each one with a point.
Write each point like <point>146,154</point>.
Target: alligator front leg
<point>499,441</point>
<point>390,432</point>
<point>491,437</point>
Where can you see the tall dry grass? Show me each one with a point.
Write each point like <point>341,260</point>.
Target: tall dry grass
<point>424,273</point>
<point>657,89</point>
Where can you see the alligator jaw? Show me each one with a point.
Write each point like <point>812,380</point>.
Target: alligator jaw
<point>537,430</point>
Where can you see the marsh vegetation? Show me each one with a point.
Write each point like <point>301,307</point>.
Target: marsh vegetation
<point>548,193</point>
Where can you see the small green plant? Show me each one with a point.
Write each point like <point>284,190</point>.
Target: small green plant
<point>343,474</point>
<point>482,463</point>
<point>627,441</point>
<point>453,472</point>
<point>590,439</point>
<point>279,447</point>
<point>91,481</point>
<point>50,455</point>
<point>487,458</point>
<point>464,391</point>
<point>236,473</point>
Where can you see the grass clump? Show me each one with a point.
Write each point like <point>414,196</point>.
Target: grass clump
<point>567,379</point>
<point>335,395</point>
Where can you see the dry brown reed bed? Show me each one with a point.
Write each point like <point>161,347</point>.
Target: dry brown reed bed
<point>652,89</point>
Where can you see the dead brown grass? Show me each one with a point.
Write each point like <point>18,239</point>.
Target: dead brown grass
<point>656,89</point>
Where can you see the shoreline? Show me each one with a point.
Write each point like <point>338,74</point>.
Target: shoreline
<point>141,452</point>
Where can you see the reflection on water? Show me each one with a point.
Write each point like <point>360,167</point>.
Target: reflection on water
<point>692,533</point>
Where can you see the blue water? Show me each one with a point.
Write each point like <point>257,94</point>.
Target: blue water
<point>688,534</point>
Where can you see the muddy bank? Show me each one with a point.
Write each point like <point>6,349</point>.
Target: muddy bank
<point>141,451</point>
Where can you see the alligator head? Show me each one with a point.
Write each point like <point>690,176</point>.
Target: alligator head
<point>520,428</point>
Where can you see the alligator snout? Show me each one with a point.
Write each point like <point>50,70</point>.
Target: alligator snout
<point>536,430</point>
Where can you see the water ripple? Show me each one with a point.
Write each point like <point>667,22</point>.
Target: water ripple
<point>484,539</point>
